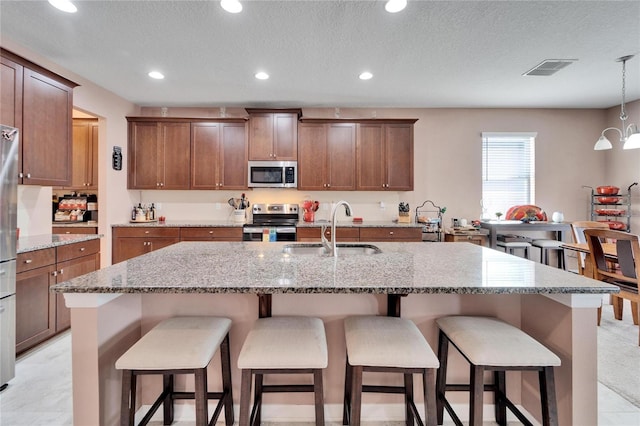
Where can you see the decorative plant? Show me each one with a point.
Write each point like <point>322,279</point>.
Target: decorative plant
<point>498,215</point>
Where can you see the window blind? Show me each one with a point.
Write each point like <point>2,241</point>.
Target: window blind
<point>508,171</point>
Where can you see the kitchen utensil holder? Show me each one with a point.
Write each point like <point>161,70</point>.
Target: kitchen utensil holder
<point>239,216</point>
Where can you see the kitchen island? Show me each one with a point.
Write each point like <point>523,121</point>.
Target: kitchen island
<point>112,307</point>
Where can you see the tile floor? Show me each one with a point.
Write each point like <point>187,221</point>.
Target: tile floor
<point>46,401</point>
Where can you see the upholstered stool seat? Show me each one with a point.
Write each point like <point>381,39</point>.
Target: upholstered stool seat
<point>390,345</point>
<point>179,345</point>
<point>282,345</point>
<point>546,246</point>
<point>511,247</point>
<point>489,344</point>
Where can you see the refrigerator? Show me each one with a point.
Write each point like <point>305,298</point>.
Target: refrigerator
<point>9,142</point>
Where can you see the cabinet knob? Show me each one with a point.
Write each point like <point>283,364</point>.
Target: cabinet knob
<point>67,232</point>
<point>157,183</point>
<point>28,175</point>
<point>390,232</point>
<point>161,183</point>
<point>61,271</point>
<point>20,175</point>
<point>82,249</point>
<point>27,261</point>
<point>146,232</point>
<point>328,185</point>
<point>211,232</point>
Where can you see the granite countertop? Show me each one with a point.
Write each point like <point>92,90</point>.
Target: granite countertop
<point>401,268</point>
<point>45,241</point>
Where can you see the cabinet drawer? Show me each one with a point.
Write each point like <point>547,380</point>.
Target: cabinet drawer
<point>211,233</point>
<point>73,230</point>
<point>390,233</point>
<point>35,259</point>
<point>146,232</point>
<point>481,240</point>
<point>72,251</point>
<point>313,234</point>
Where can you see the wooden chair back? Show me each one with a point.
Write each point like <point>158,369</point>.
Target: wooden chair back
<point>577,228</point>
<point>628,251</point>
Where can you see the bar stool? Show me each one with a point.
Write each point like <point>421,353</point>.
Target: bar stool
<point>489,344</point>
<point>546,246</point>
<point>389,345</point>
<point>511,247</point>
<point>179,345</point>
<point>282,345</point>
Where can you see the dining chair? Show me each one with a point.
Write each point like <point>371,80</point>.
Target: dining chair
<point>626,278</point>
<point>577,228</point>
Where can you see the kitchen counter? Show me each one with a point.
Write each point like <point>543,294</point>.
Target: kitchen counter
<point>75,224</point>
<point>111,308</point>
<point>44,241</point>
<point>401,268</point>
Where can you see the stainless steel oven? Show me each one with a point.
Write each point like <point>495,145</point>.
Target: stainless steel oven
<point>271,222</point>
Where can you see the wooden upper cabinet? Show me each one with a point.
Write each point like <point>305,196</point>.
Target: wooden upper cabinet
<point>273,134</point>
<point>327,153</point>
<point>218,155</point>
<point>385,156</point>
<point>159,154</point>
<point>11,96</point>
<point>39,103</point>
<point>85,154</point>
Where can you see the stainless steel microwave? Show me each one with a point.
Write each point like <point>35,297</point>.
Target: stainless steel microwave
<point>273,174</point>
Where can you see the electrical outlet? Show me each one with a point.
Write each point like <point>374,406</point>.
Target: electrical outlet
<point>158,206</point>
<point>382,206</point>
<point>218,206</point>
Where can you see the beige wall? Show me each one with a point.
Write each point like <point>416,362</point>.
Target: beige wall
<point>447,160</point>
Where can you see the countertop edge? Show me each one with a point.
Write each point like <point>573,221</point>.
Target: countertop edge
<point>39,242</point>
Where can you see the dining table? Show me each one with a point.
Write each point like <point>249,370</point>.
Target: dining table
<point>496,227</point>
<point>587,270</point>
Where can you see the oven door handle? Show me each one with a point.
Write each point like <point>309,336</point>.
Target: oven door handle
<point>286,230</point>
<point>247,230</point>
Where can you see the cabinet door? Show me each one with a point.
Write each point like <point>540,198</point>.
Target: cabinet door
<point>261,137</point>
<point>399,157</point>
<point>143,155</point>
<point>67,271</point>
<point>127,248</point>
<point>35,307</point>
<point>341,150</point>
<point>175,156</point>
<point>82,135</point>
<point>46,130</point>
<point>92,159</point>
<point>312,155</point>
<point>205,143</point>
<point>370,157</point>
<point>285,143</point>
<point>233,156</point>
<point>11,96</point>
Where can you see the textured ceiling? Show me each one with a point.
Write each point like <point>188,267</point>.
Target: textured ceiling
<point>432,54</point>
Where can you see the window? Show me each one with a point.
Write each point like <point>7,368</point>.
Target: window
<point>508,171</point>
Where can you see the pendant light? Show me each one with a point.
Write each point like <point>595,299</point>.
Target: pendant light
<point>629,136</point>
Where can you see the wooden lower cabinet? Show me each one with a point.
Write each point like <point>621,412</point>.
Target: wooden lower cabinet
<point>355,234</point>
<point>129,242</point>
<point>61,230</point>
<point>40,313</point>
<point>479,239</point>
<point>344,234</point>
<point>211,234</point>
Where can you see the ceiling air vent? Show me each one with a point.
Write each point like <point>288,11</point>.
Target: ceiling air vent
<point>549,67</point>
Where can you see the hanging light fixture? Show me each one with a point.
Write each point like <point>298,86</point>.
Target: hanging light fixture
<point>629,136</point>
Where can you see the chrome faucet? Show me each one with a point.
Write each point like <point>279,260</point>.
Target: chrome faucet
<point>331,247</point>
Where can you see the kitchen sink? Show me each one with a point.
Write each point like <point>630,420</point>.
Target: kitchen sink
<point>343,249</point>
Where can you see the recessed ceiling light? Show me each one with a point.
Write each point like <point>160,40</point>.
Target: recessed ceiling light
<point>365,76</point>
<point>64,5</point>
<point>231,6</point>
<point>262,75</point>
<point>393,6</point>
<point>156,74</point>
